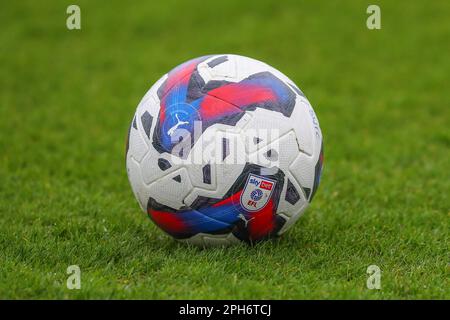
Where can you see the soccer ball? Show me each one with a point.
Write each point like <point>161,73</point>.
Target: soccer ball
<point>224,149</point>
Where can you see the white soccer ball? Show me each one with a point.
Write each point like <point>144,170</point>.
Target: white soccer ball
<point>224,149</point>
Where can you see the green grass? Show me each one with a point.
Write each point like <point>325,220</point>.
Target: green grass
<point>66,99</point>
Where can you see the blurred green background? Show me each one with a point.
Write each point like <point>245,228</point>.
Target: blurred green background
<point>67,97</point>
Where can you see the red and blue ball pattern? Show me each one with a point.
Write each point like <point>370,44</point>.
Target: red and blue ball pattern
<point>186,98</point>
<point>222,216</point>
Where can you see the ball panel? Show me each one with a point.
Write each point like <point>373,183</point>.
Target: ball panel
<point>293,198</point>
<point>139,188</point>
<point>171,189</point>
<point>137,148</point>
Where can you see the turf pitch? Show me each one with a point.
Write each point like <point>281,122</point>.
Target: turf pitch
<point>66,99</point>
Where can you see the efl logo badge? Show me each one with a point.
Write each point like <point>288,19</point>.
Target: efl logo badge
<point>257,192</point>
